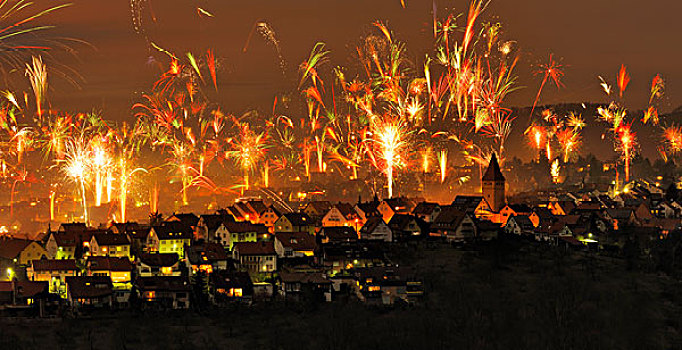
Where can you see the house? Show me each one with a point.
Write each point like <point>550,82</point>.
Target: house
<point>208,257</point>
<point>515,210</point>
<point>169,237</point>
<point>664,209</point>
<point>375,229</point>
<point>388,284</point>
<point>667,225</point>
<point>545,216</point>
<point>72,227</point>
<point>404,227</point>
<point>54,272</point>
<point>555,232</point>
<point>163,292</point>
<point>89,291</point>
<point>255,257</point>
<point>305,286</point>
<point>124,228</point>
<point>346,255</point>
<point>427,211</point>
<point>269,216</point>
<point>643,214</point>
<point>230,286</point>
<point>242,212</point>
<point>158,264</point>
<point>257,207</point>
<point>391,206</point>
<point>19,252</point>
<point>317,209</point>
<point>70,241</point>
<point>208,225</point>
<point>487,230</point>
<point>454,225</point>
<point>23,293</point>
<point>107,244</point>
<point>621,217</point>
<point>474,206</point>
<point>119,269</point>
<point>337,234</point>
<point>295,222</point>
<point>186,219</point>
<point>367,210</point>
<point>238,213</point>
<point>341,214</point>
<point>519,225</point>
<point>138,237</point>
<point>61,245</point>
<point>248,210</point>
<point>231,232</point>
<point>560,208</point>
<point>294,244</point>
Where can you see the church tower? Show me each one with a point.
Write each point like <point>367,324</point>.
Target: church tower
<point>493,184</point>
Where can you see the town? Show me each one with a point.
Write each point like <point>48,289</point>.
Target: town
<point>318,252</point>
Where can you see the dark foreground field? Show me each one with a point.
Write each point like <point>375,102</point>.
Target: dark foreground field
<point>505,296</point>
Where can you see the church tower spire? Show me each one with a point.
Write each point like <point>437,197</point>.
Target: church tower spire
<point>493,184</point>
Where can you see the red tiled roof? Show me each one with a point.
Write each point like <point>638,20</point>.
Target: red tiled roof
<point>244,227</point>
<point>109,263</point>
<point>26,289</point>
<point>11,248</point>
<point>298,241</point>
<point>163,283</point>
<point>254,248</point>
<point>89,286</point>
<point>111,239</point>
<point>173,230</point>
<point>158,259</point>
<point>54,264</point>
<point>303,277</point>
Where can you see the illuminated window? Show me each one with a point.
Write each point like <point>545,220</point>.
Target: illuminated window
<point>167,270</point>
<point>374,288</point>
<point>236,292</point>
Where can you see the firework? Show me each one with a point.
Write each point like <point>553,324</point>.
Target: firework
<point>536,135</point>
<point>37,73</point>
<point>124,179</point>
<point>20,177</point>
<point>426,157</point>
<point>100,163</point>
<point>673,139</point>
<point>443,164</point>
<point>75,167</point>
<point>623,80</point>
<point>248,149</point>
<point>627,139</point>
<point>390,139</point>
<point>203,12</point>
<point>18,39</point>
<point>555,171</point>
<point>605,86</point>
<point>569,139</point>
<point>550,71</point>
<point>657,87</point>
<point>266,31</point>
